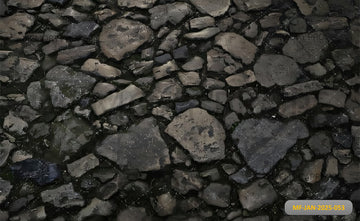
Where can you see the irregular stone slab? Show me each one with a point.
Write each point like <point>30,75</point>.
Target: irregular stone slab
<point>136,3</point>
<point>320,143</point>
<point>82,165</point>
<point>200,133</point>
<point>332,97</point>
<point>169,89</point>
<point>37,170</point>
<point>18,69</point>
<point>260,193</point>
<point>15,26</point>
<point>5,188</point>
<point>212,7</point>
<point>69,133</point>
<point>5,149</point>
<point>173,13</point>
<point>36,94</point>
<point>67,85</point>
<point>273,69</point>
<point>69,56</point>
<point>63,196</point>
<point>122,36</point>
<point>302,88</point>
<point>252,5</point>
<point>165,69</point>
<point>297,106</point>
<point>117,99</point>
<point>238,80</point>
<point>185,181</point>
<point>202,22</point>
<point>344,58</point>
<point>326,23</point>
<point>132,214</point>
<point>307,47</point>
<point>237,46</point>
<point>262,103</point>
<point>203,34</point>
<point>311,171</point>
<point>81,30</point>
<point>351,172</point>
<point>217,194</point>
<point>217,61</point>
<point>14,124</point>
<point>3,10</point>
<point>320,7</point>
<point>355,32</point>
<point>264,142</point>
<point>103,70</point>
<point>55,46</point>
<point>25,4</point>
<point>141,147</point>
<point>37,213</point>
<point>96,207</point>
<point>164,204</point>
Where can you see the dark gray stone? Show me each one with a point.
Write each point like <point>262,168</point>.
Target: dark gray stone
<point>81,30</point>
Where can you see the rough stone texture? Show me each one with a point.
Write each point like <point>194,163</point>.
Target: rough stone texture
<point>117,99</point>
<point>5,149</point>
<point>63,196</point>
<point>238,80</point>
<point>96,207</point>
<point>173,13</point>
<point>81,166</point>
<point>69,56</point>
<point>169,89</point>
<point>297,106</point>
<point>264,142</point>
<point>67,85</point>
<point>199,133</point>
<point>16,26</point>
<point>271,69</point>
<point>212,7</point>
<point>18,69</point>
<point>103,70</point>
<point>184,181</point>
<point>137,3</point>
<point>260,193</point>
<point>69,133</point>
<point>141,147</point>
<point>237,46</point>
<point>122,36</point>
<point>250,5</point>
<point>5,188</point>
<point>351,172</point>
<point>81,30</point>
<point>217,194</point>
<point>306,47</point>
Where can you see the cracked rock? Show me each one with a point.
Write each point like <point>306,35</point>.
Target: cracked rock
<point>16,26</point>
<point>122,36</point>
<point>99,69</point>
<point>200,133</point>
<point>141,147</point>
<point>217,194</point>
<point>63,196</point>
<point>297,106</point>
<point>169,89</point>
<point>82,165</point>
<point>264,142</point>
<point>5,188</point>
<point>184,181</point>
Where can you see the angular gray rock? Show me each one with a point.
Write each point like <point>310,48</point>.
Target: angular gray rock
<point>259,194</point>
<point>55,46</point>
<point>18,69</point>
<point>14,124</point>
<point>237,46</point>
<point>203,34</point>
<point>252,5</point>
<point>67,85</point>
<point>82,165</point>
<point>320,143</point>
<point>141,147</point>
<point>136,3</point>
<point>16,26</point>
<point>122,36</point>
<point>302,88</point>
<point>5,188</point>
<point>200,133</point>
<point>164,204</point>
<point>69,56</point>
<point>185,181</point>
<point>335,98</point>
<point>273,69</point>
<point>307,47</point>
<point>311,171</point>
<point>264,142</point>
<point>37,213</point>
<point>36,94</point>
<point>169,89</point>
<point>214,8</point>
<point>5,149</point>
<point>241,79</point>
<point>63,196</point>
<point>132,214</point>
<point>81,30</point>
<point>351,172</point>
<point>117,99</point>
<point>173,13</point>
<point>297,106</point>
<point>96,207</point>
<point>69,133</point>
<point>103,70</point>
<point>217,194</point>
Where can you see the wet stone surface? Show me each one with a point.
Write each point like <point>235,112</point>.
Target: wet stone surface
<point>191,110</point>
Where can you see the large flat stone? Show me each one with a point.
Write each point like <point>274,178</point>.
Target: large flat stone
<point>16,26</point>
<point>141,147</point>
<point>264,142</point>
<point>212,7</point>
<point>200,133</point>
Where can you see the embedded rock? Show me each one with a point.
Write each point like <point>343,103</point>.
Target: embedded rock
<point>200,133</point>
<point>173,13</point>
<point>63,196</point>
<point>264,142</point>
<point>141,147</point>
<point>214,8</point>
<point>16,26</point>
<point>122,36</point>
